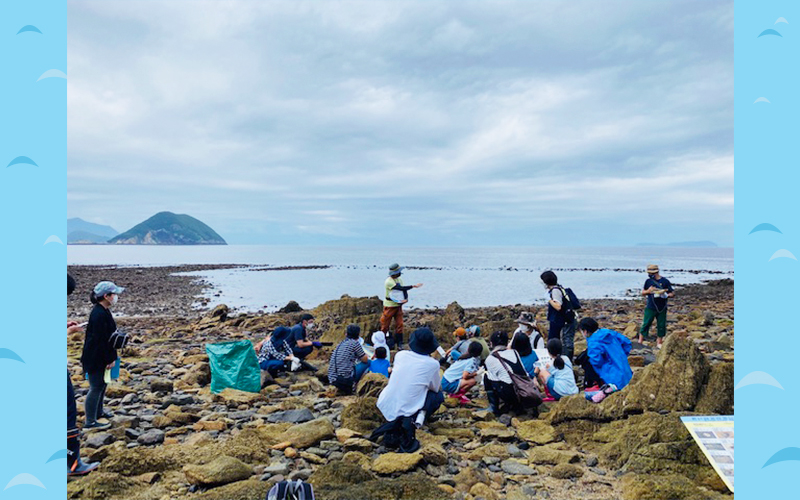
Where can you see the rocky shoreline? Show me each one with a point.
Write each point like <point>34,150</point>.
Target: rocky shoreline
<point>172,438</point>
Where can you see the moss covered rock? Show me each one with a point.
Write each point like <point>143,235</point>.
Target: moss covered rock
<point>250,489</point>
<point>338,474</point>
<point>416,486</point>
<point>308,433</point>
<point>362,415</point>
<point>566,471</point>
<point>389,463</point>
<point>546,455</point>
<point>222,470</point>
<point>102,486</point>
<point>657,487</point>
<point>536,431</point>
<point>717,395</point>
<point>371,385</point>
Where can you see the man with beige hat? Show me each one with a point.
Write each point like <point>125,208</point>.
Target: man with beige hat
<point>657,289</point>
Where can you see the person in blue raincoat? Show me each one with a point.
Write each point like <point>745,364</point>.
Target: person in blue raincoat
<point>606,357</point>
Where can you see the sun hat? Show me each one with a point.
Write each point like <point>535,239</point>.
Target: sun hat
<point>379,340</point>
<point>395,269</point>
<point>280,335</point>
<point>423,341</point>
<point>652,269</point>
<point>105,287</point>
<point>460,332</point>
<point>526,318</point>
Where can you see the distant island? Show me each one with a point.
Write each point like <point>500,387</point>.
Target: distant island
<point>164,228</point>
<point>81,232</point>
<point>693,244</point>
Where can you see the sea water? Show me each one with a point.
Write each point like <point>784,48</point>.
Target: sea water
<point>475,277</point>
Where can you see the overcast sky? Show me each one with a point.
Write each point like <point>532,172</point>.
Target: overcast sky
<point>406,123</point>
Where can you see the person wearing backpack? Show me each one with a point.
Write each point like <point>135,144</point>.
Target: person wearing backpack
<point>658,290</point>
<point>560,313</point>
<point>558,377</point>
<point>75,466</point>
<point>605,360</point>
<point>503,366</point>
<point>98,352</point>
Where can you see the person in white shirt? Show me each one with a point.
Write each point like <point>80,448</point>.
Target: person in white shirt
<point>415,385</point>
<point>497,381</point>
<point>527,325</point>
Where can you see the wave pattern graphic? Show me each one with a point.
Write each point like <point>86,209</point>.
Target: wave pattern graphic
<point>758,378</point>
<point>784,455</point>
<point>24,478</point>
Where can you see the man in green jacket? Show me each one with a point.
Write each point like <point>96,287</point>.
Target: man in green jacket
<point>395,295</point>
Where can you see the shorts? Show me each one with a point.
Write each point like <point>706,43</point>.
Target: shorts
<point>551,382</point>
<point>450,387</point>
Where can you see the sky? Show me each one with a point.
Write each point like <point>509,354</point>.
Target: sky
<point>427,123</point>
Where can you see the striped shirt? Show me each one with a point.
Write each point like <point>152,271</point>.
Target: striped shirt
<point>343,359</point>
<point>268,351</point>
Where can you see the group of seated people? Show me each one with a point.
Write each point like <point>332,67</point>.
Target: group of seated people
<point>418,382</point>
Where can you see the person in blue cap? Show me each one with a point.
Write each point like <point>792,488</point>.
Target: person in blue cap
<point>75,466</point>
<point>395,295</point>
<point>98,352</point>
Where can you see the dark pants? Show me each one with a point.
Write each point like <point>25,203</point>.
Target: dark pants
<point>501,396</point>
<point>94,400</point>
<point>433,400</point>
<point>273,366</point>
<point>590,376</point>
<point>564,330</point>
<point>346,385</point>
<point>73,445</point>
<point>302,352</point>
<point>386,321</point>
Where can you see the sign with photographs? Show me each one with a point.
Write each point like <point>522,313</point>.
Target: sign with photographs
<point>714,435</point>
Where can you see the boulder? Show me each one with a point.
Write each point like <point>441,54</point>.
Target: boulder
<point>415,486</point>
<point>222,470</point>
<point>371,385</point>
<point>515,467</point>
<point>536,431</point>
<point>161,385</point>
<point>566,471</point>
<point>660,487</point>
<point>468,477</point>
<point>717,395</point>
<point>389,463</point>
<point>489,450</point>
<point>292,416</point>
<point>551,456</point>
<point>151,437</point>
<point>103,485</point>
<point>362,415</point>
<point>308,433</point>
<point>338,474</point>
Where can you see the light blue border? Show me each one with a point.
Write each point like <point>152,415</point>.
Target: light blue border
<point>33,208</point>
<point>767,291</point>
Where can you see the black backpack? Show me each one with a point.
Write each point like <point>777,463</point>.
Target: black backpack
<point>569,304</point>
<point>291,490</point>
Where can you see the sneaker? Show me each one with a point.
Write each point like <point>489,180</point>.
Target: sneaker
<point>463,399</point>
<point>96,426</point>
<point>658,346</point>
<point>80,468</point>
<point>593,388</point>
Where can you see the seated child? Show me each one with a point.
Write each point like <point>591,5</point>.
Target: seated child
<point>379,363</point>
<point>460,347</point>
<point>559,378</point>
<point>522,344</point>
<point>460,376</point>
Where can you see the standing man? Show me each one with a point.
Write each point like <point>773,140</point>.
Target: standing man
<point>396,294</point>
<point>657,290</point>
<point>301,346</point>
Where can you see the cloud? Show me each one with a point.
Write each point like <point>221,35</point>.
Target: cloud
<point>234,114</point>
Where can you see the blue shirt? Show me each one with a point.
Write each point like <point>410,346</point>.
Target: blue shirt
<point>298,333</point>
<point>657,304</point>
<point>608,353</point>
<point>457,369</point>
<point>528,361</point>
<point>564,379</point>
<point>380,366</point>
